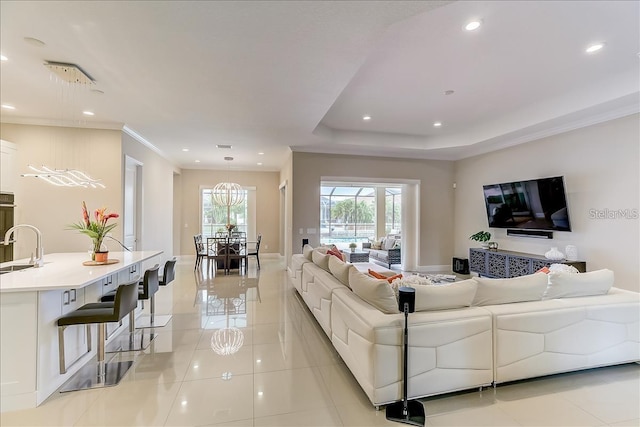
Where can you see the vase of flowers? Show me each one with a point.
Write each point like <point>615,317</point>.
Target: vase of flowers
<point>230,228</point>
<point>97,230</point>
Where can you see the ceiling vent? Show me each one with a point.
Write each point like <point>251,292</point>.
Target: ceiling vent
<point>69,72</point>
<point>223,146</point>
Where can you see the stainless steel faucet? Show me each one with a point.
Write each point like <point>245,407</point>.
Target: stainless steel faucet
<point>39,261</point>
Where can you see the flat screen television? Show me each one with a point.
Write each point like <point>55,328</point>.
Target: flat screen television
<point>536,204</point>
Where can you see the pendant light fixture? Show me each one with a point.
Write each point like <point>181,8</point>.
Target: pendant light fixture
<point>67,74</point>
<point>228,194</point>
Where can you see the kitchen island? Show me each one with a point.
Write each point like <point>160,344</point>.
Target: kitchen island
<point>32,300</point>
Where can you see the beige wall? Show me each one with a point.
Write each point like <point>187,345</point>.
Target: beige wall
<point>435,196</point>
<point>600,164</point>
<point>267,204</point>
<point>52,208</point>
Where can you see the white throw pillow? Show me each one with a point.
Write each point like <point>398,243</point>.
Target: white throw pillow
<point>376,292</point>
<point>320,259</point>
<point>389,243</point>
<point>569,285</point>
<point>340,270</point>
<point>442,297</point>
<point>306,251</point>
<point>515,289</point>
<point>562,268</point>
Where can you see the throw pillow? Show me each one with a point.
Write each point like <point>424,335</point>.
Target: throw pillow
<point>306,251</point>
<point>376,246</point>
<point>562,268</point>
<point>569,285</point>
<point>389,243</point>
<point>340,270</point>
<point>544,270</point>
<point>336,253</point>
<point>443,297</point>
<point>320,259</point>
<point>515,289</point>
<point>376,292</point>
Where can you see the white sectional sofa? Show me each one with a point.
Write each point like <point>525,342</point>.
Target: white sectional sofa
<point>504,330</point>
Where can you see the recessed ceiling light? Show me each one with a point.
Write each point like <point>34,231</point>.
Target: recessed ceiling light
<point>197,161</point>
<point>261,153</point>
<point>8,107</point>
<point>226,146</point>
<point>365,118</point>
<point>437,124</point>
<point>3,58</point>
<point>594,47</point>
<point>473,25</point>
<point>449,92</point>
<point>34,42</point>
<point>185,149</point>
<point>88,113</point>
<point>259,163</point>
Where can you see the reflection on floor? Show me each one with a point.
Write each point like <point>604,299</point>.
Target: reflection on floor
<point>245,351</point>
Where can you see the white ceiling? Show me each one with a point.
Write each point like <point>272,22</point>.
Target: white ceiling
<point>266,76</point>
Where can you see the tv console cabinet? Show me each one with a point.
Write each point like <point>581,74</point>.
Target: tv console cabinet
<point>502,264</point>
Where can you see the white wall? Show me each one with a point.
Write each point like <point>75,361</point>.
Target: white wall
<point>600,164</point>
<point>157,197</point>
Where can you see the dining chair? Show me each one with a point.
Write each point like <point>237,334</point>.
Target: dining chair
<point>255,250</point>
<point>201,251</point>
<point>217,251</point>
<point>237,253</point>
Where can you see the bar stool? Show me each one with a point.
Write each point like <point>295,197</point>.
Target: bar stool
<point>126,300</point>
<point>146,291</point>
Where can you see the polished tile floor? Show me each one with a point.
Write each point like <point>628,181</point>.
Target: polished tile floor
<point>283,371</point>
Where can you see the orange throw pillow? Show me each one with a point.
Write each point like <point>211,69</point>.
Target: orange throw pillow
<point>380,276</point>
<point>376,274</point>
<point>392,278</point>
<point>543,270</point>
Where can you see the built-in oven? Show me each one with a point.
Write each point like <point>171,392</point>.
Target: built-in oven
<point>7,206</point>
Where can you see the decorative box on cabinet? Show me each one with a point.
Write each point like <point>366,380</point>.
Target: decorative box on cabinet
<point>499,263</point>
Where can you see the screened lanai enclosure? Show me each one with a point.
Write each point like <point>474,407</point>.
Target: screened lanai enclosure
<point>358,213</point>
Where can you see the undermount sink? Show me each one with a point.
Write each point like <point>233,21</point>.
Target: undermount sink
<point>16,267</point>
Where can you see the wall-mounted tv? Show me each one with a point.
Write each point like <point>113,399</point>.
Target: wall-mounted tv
<point>536,204</point>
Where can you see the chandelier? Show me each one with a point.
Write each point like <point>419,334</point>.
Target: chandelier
<point>70,76</point>
<point>227,194</point>
<point>64,177</point>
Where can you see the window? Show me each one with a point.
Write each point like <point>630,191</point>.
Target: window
<point>393,210</point>
<point>350,212</point>
<point>214,217</point>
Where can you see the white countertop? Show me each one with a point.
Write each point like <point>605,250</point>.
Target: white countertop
<point>65,270</point>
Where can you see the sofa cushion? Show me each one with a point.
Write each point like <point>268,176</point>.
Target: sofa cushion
<point>320,259</point>
<point>443,297</point>
<point>376,292</point>
<point>340,270</point>
<point>515,289</point>
<point>569,285</point>
<point>306,251</point>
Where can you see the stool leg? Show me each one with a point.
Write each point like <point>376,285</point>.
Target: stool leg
<point>152,303</point>
<point>63,365</point>
<point>102,333</point>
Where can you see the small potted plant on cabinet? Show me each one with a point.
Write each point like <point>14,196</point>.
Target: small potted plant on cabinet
<point>353,246</point>
<point>483,237</point>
